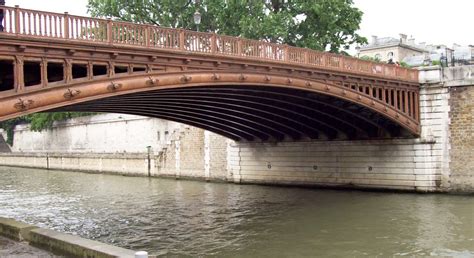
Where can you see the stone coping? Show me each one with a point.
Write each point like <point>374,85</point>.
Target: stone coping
<point>59,243</point>
<point>78,155</point>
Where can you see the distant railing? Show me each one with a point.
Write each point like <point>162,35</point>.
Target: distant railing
<point>39,24</point>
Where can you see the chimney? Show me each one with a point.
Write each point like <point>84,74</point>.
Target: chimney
<point>403,38</point>
<point>374,40</point>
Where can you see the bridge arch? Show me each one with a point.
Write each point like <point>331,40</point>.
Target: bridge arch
<point>240,104</point>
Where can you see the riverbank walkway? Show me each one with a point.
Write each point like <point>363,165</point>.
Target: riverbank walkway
<point>10,248</point>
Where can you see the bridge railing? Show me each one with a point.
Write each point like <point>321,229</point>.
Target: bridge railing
<point>39,24</point>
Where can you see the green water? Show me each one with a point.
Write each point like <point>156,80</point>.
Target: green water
<point>184,218</point>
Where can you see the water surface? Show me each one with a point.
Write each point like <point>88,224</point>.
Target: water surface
<point>170,217</point>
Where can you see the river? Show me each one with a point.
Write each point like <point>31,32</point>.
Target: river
<point>186,218</point>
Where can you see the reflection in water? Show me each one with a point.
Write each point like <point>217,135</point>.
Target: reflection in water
<point>170,217</point>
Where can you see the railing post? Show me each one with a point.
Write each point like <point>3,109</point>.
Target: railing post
<point>66,25</point>
<point>306,56</point>
<point>239,47</point>
<point>181,39</point>
<point>109,31</point>
<point>17,19</point>
<point>18,67</point>
<point>286,53</point>
<point>213,43</point>
<point>147,35</point>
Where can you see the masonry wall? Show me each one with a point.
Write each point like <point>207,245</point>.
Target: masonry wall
<point>462,138</point>
<point>107,133</point>
<point>122,164</point>
<point>194,153</point>
<point>403,164</point>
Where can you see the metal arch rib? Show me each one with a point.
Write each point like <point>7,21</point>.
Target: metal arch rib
<point>230,135</point>
<point>205,117</point>
<point>204,124</point>
<point>354,127</point>
<point>351,114</point>
<point>296,133</point>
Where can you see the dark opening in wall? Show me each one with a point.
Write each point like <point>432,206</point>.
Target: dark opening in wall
<point>121,69</point>
<point>32,72</point>
<point>139,69</point>
<point>55,72</point>
<point>79,71</point>
<point>6,75</point>
<point>99,70</point>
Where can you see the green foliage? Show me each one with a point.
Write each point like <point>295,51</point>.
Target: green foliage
<point>372,59</point>
<point>316,24</point>
<point>403,64</point>
<point>38,121</point>
<point>435,62</point>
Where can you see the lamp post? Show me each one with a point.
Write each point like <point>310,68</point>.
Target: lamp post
<point>197,15</point>
<point>197,19</point>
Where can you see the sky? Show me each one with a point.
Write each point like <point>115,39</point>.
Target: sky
<point>431,21</point>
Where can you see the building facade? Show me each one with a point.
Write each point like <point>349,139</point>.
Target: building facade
<point>385,49</point>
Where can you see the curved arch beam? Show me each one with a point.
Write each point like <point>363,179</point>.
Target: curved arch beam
<point>296,97</point>
<point>45,99</point>
<point>229,114</point>
<point>219,122</point>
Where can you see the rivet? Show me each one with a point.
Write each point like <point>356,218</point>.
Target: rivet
<point>268,78</point>
<point>290,81</point>
<point>308,84</point>
<point>343,92</point>
<point>328,88</point>
<point>242,77</point>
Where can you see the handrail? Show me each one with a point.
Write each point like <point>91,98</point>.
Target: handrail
<point>33,23</point>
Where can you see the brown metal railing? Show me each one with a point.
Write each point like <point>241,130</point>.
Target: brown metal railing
<point>41,24</point>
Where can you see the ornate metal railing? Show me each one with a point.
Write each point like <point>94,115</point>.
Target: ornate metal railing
<point>39,24</point>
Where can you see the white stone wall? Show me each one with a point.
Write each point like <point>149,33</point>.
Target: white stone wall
<point>121,163</point>
<point>107,133</point>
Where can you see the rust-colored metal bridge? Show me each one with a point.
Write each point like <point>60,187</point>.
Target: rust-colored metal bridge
<point>242,89</point>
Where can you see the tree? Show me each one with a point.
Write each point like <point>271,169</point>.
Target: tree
<point>316,24</point>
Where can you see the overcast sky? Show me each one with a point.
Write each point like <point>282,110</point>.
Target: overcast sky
<point>430,21</point>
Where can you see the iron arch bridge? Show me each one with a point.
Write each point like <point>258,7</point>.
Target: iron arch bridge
<point>243,89</point>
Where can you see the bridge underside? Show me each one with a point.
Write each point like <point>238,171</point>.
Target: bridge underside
<point>254,113</point>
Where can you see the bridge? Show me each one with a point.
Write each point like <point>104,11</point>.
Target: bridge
<point>246,90</point>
